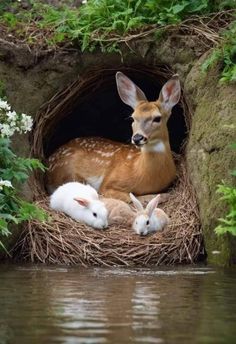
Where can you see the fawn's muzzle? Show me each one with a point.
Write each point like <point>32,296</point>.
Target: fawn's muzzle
<point>139,139</point>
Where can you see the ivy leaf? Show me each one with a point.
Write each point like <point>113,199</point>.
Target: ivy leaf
<point>9,217</point>
<point>178,8</point>
<point>4,227</point>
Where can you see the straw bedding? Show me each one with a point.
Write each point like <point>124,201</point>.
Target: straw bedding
<point>64,241</point>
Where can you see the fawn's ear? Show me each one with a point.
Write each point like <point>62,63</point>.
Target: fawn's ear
<point>170,93</point>
<point>136,202</point>
<point>152,205</point>
<point>129,93</point>
<point>82,201</point>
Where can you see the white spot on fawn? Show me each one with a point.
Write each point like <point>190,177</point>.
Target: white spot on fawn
<point>52,167</point>
<point>97,161</point>
<point>159,147</point>
<point>66,151</point>
<point>107,155</point>
<point>104,154</point>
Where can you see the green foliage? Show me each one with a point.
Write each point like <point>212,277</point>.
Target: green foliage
<point>226,54</point>
<point>103,23</point>
<point>10,19</point>
<point>15,170</point>
<point>94,23</point>
<point>3,6</point>
<point>228,223</point>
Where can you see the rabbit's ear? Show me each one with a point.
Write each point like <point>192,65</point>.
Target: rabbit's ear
<point>152,205</point>
<point>136,202</point>
<point>82,201</point>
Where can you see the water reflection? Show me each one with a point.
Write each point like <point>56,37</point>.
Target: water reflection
<point>60,305</point>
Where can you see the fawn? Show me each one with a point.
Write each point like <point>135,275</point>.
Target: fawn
<point>116,169</point>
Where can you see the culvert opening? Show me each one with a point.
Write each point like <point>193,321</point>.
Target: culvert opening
<point>91,107</point>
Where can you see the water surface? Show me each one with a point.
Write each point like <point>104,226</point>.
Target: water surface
<point>96,305</point>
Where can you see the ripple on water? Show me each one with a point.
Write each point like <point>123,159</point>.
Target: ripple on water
<point>151,272</point>
<point>113,305</point>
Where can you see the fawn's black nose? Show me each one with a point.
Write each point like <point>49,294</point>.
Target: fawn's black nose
<point>139,139</point>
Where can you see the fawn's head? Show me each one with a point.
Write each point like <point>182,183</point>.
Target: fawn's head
<point>149,118</point>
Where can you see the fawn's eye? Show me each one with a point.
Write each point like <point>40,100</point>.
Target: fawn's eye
<point>157,119</point>
<point>95,214</point>
<point>147,223</point>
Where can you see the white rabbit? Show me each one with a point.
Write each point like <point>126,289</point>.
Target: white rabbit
<point>150,219</point>
<point>81,203</point>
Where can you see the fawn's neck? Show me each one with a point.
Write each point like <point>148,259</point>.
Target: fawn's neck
<point>155,157</point>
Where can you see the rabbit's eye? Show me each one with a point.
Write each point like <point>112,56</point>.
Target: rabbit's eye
<point>95,214</point>
<point>147,223</point>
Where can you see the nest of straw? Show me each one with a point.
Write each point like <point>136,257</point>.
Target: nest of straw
<point>61,240</point>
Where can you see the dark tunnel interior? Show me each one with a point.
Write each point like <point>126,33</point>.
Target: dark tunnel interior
<point>102,113</point>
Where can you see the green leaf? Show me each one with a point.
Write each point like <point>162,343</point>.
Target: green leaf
<point>4,248</point>
<point>29,211</point>
<point>10,19</point>
<point>4,227</point>
<point>59,37</point>
<point>9,217</point>
<point>179,8</point>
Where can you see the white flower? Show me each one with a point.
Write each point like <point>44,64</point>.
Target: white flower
<point>12,118</point>
<point>4,105</point>
<point>26,123</point>
<point>11,122</point>
<point>12,115</point>
<point>84,1</point>
<point>6,130</point>
<point>6,183</point>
